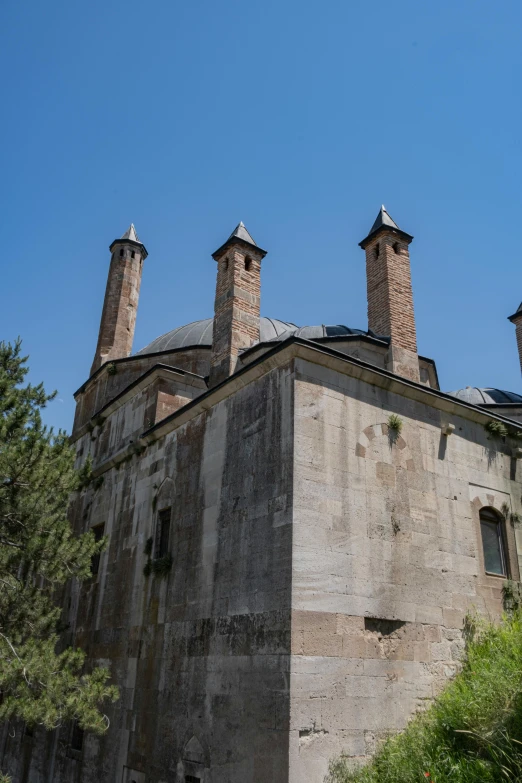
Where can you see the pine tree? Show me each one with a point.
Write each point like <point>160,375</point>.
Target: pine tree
<point>40,683</point>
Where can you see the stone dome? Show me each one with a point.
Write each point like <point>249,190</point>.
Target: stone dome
<point>199,334</point>
<point>476,396</point>
<point>321,331</point>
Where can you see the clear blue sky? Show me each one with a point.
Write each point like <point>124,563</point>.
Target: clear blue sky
<point>299,118</point>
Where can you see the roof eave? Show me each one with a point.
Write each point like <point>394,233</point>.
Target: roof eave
<point>131,242</point>
<point>390,229</point>
<point>237,241</point>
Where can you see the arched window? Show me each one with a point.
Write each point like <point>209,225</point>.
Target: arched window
<point>491,529</point>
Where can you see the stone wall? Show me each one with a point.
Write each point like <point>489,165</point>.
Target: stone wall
<point>322,568</point>
<point>387,559</point>
<point>100,390</point>
<point>202,656</point>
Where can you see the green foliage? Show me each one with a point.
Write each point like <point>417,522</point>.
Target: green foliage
<point>395,423</point>
<point>112,369</point>
<point>39,553</point>
<point>512,595</point>
<point>496,429</point>
<point>472,733</point>
<point>162,565</point>
<point>85,473</point>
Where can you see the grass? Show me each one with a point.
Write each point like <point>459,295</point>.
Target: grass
<point>472,733</point>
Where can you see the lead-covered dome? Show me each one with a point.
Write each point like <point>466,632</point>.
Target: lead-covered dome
<point>199,334</point>
<point>476,396</point>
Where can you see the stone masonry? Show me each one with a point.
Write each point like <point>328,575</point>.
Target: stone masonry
<point>237,303</point>
<point>120,305</point>
<point>317,565</point>
<point>390,295</point>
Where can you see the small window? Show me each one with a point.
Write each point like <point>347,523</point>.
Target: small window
<point>226,264</point>
<point>396,248</point>
<point>492,542</point>
<point>133,254</point>
<point>377,250</point>
<point>121,253</point>
<point>192,779</point>
<point>248,263</point>
<point>163,533</point>
<point>98,531</point>
<point>76,737</point>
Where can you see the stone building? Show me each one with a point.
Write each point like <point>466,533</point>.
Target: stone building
<point>298,520</point>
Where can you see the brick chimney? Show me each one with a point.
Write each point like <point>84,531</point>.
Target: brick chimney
<point>118,319</point>
<point>516,319</point>
<point>390,296</point>
<point>237,303</point>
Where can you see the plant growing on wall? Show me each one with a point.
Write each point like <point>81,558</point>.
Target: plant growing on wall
<point>496,429</point>
<point>395,424</point>
<point>112,369</point>
<point>160,566</point>
<point>512,595</point>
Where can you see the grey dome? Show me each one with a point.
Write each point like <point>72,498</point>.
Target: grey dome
<point>199,333</point>
<point>476,396</point>
<point>322,331</point>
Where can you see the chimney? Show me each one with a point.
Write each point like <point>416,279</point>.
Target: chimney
<point>390,296</point>
<point>237,303</point>
<point>120,305</point>
<point>516,319</point>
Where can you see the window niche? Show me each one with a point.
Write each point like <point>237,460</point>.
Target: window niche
<point>98,531</point>
<point>77,736</point>
<point>493,542</point>
<point>162,538</point>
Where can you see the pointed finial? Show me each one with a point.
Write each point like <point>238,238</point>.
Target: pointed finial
<point>131,236</point>
<point>384,221</point>
<point>239,235</point>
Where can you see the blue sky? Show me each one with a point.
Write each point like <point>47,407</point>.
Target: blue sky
<point>299,118</point>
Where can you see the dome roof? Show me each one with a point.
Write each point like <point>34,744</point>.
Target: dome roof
<point>199,333</point>
<point>321,331</point>
<point>476,396</point>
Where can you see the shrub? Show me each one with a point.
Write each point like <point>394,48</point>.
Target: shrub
<point>395,424</point>
<point>162,565</point>
<point>473,731</point>
<point>496,428</point>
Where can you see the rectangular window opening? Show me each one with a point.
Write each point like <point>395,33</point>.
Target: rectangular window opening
<point>163,533</point>
<point>98,531</point>
<point>493,546</point>
<point>76,737</point>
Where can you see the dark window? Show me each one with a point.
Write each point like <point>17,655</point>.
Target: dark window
<point>133,254</point>
<point>163,533</point>
<point>377,250</point>
<point>76,737</point>
<point>95,559</point>
<point>492,542</point>
<point>396,248</point>
<point>121,252</point>
<point>226,264</point>
<point>248,263</point>
<point>192,779</point>
<point>29,731</point>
